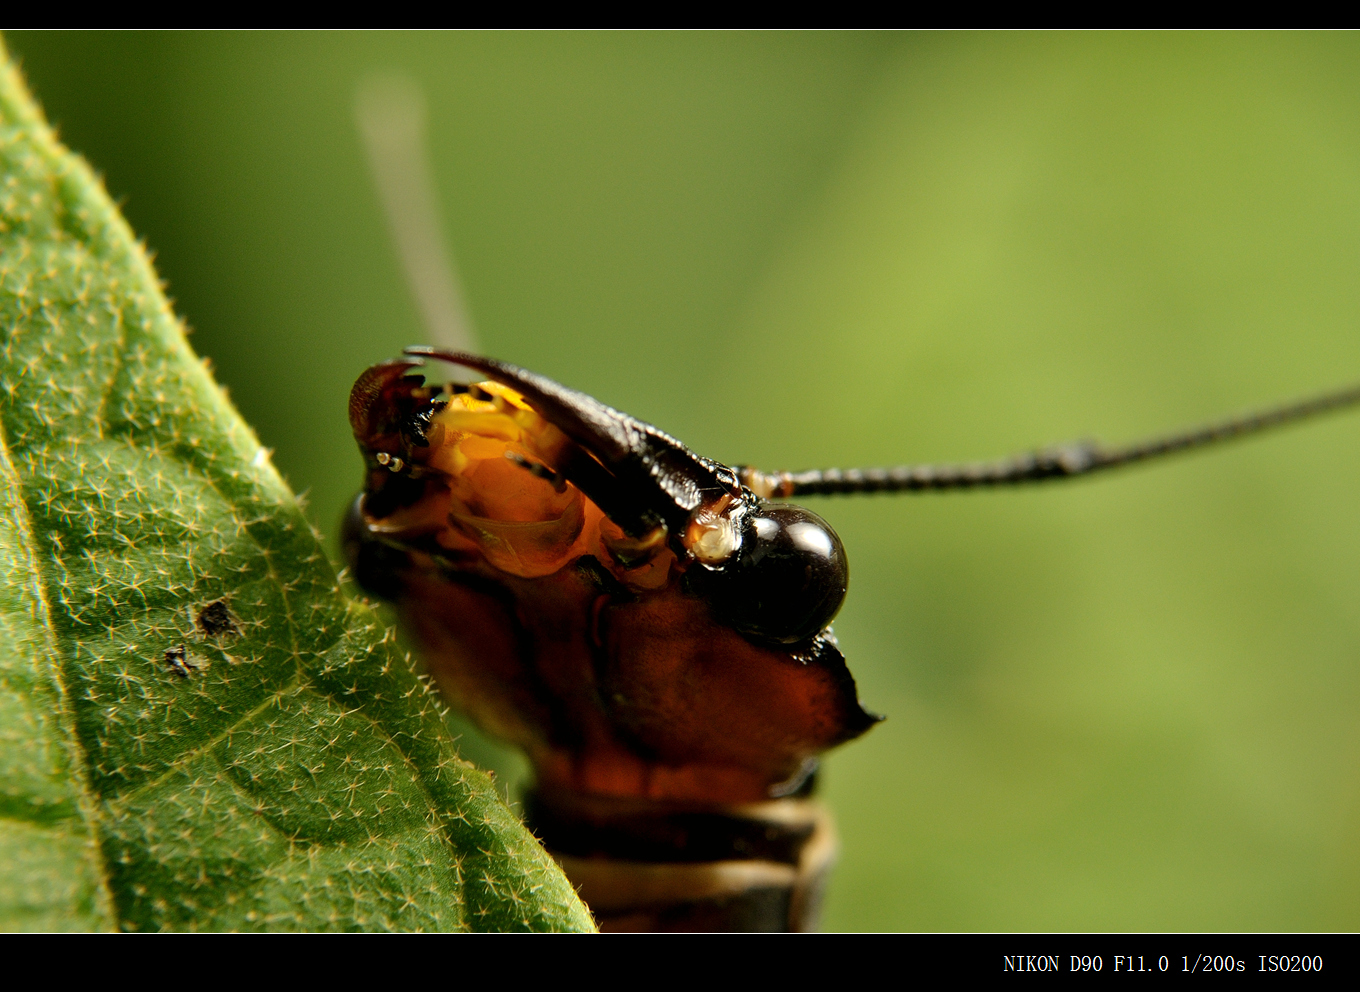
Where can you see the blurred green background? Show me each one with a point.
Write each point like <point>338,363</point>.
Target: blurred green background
<point>1131,703</point>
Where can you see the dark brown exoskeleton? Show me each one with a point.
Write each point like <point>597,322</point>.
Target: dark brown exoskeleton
<point>645,623</point>
<point>652,634</point>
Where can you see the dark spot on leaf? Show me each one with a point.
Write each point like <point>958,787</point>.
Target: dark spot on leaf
<point>215,620</point>
<point>180,662</point>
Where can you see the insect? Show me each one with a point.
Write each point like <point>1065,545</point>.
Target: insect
<point>641,863</point>
<point>652,627</point>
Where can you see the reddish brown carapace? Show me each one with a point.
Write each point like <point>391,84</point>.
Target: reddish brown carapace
<point>557,630</point>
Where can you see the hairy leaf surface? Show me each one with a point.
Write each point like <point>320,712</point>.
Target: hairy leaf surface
<point>198,729</point>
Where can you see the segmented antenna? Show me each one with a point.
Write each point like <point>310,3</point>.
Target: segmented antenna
<point>1063,461</point>
<point>390,111</point>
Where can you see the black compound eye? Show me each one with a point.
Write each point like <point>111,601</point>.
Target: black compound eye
<point>787,580</point>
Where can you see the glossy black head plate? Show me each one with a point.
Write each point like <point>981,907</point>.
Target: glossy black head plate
<point>638,475</point>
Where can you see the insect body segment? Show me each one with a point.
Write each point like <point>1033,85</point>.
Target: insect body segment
<point>584,585</point>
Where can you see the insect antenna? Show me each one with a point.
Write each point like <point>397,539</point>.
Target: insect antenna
<point>391,115</point>
<point>1062,461</point>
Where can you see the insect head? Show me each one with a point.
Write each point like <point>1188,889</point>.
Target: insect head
<point>629,612</point>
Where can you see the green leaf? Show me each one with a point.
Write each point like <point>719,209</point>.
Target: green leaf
<point>272,763</point>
